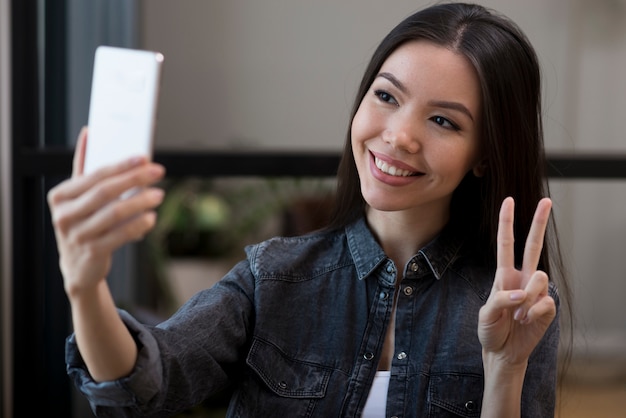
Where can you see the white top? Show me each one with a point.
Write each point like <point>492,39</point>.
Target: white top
<point>376,404</point>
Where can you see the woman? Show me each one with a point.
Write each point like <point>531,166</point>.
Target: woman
<point>415,301</point>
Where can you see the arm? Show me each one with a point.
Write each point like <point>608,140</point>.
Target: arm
<point>90,223</point>
<point>181,361</point>
<point>503,388</point>
<point>103,340</point>
<point>516,316</point>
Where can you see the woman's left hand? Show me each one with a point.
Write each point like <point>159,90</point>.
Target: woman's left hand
<point>519,309</point>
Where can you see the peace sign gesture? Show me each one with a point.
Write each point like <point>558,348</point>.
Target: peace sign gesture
<point>519,309</point>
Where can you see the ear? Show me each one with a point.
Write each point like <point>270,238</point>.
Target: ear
<point>480,168</point>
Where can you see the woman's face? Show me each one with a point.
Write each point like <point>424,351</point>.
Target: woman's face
<point>415,133</point>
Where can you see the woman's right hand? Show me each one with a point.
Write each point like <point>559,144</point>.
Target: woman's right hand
<point>91,221</point>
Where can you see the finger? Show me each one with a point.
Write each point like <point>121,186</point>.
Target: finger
<point>133,230</point>
<point>78,187</point>
<point>506,239</point>
<point>544,308</point>
<point>499,302</point>
<point>537,285</point>
<point>536,288</point>
<point>74,210</point>
<point>534,241</point>
<point>120,212</point>
<point>79,153</point>
<point>78,184</point>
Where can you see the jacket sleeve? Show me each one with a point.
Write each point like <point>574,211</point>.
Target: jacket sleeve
<point>181,361</point>
<point>540,383</point>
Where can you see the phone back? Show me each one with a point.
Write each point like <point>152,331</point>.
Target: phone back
<point>123,105</point>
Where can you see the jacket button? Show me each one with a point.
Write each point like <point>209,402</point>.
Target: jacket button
<point>368,356</point>
<point>408,290</point>
<point>282,384</point>
<point>470,405</point>
<point>401,355</point>
<point>414,267</point>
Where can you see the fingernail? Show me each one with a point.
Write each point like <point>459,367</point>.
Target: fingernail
<point>519,314</point>
<point>158,195</point>
<point>156,171</point>
<point>516,295</point>
<point>135,161</point>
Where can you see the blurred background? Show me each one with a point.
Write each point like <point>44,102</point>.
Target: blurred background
<point>248,89</point>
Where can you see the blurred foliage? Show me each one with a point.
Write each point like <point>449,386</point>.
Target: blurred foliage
<point>215,218</point>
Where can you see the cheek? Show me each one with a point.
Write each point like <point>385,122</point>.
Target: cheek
<point>356,129</point>
<point>455,161</point>
<point>363,125</point>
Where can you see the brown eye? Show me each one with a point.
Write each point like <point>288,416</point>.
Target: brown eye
<point>383,96</point>
<point>444,123</point>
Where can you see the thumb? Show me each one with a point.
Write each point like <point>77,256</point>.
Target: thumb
<point>498,302</point>
<point>79,153</point>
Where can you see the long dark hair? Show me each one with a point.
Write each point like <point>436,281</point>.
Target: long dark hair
<point>511,129</point>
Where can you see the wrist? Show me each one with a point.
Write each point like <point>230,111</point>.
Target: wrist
<point>86,295</point>
<point>495,364</point>
<point>504,381</point>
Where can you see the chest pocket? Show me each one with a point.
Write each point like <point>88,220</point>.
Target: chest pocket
<point>287,377</point>
<point>455,395</point>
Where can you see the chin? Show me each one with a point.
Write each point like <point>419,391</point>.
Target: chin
<point>383,203</point>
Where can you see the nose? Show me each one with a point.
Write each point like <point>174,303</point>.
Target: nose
<point>403,134</point>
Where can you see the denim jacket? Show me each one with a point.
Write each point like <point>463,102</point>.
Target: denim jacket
<point>298,329</point>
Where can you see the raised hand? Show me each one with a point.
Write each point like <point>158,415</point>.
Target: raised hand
<point>519,309</point>
<point>91,221</point>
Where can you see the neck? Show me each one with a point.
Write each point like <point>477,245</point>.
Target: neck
<point>402,234</point>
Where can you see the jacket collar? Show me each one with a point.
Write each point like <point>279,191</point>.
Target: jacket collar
<point>433,258</point>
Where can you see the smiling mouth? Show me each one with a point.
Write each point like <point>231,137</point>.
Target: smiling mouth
<point>391,170</point>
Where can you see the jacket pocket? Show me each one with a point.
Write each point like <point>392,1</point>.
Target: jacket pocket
<point>455,395</point>
<point>285,376</point>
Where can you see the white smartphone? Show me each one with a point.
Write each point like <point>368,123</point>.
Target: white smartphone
<point>123,105</point>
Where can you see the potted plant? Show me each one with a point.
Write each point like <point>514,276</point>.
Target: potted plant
<point>203,225</point>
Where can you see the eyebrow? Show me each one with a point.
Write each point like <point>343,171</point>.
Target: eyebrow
<point>393,80</point>
<point>434,103</point>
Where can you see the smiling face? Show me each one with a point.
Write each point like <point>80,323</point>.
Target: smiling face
<point>415,133</point>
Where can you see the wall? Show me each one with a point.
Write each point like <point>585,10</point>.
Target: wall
<point>244,74</point>
<point>241,74</point>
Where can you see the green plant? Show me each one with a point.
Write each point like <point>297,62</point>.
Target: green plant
<point>192,219</point>
<point>215,218</point>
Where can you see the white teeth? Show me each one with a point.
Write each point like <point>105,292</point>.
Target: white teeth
<point>391,170</point>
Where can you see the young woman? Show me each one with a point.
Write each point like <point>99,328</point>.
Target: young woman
<point>427,295</point>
